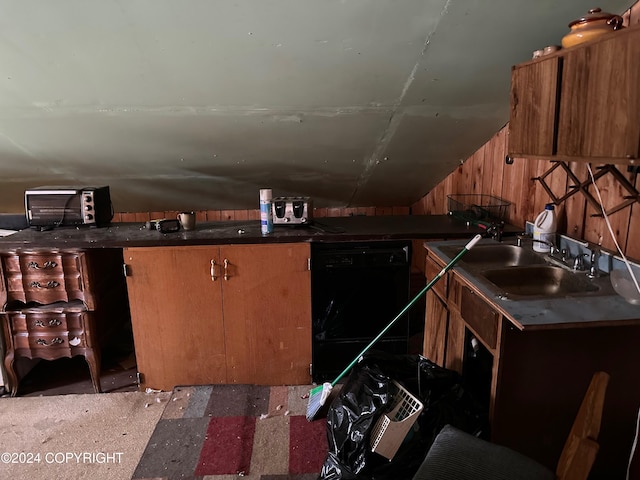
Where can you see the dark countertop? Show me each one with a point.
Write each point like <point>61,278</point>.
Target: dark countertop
<point>553,312</point>
<point>329,229</point>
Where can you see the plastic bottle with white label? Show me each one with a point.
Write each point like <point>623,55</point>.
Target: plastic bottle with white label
<point>544,229</point>
<point>266,215</point>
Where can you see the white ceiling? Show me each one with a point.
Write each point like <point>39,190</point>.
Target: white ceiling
<point>197,104</point>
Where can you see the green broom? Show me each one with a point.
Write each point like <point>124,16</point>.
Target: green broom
<point>318,395</point>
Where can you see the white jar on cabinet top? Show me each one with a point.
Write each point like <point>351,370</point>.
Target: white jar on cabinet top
<point>544,229</point>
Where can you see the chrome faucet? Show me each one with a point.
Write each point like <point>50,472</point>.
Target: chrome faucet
<point>495,230</point>
<point>593,268</point>
<point>552,247</point>
<point>578,262</point>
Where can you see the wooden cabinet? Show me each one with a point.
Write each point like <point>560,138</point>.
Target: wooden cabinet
<point>581,103</point>
<point>531,379</point>
<point>532,124</point>
<point>451,309</point>
<point>221,314</point>
<point>436,322</point>
<point>599,113</point>
<point>176,315</point>
<point>60,303</point>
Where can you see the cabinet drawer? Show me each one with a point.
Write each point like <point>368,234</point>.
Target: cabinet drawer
<point>39,323</point>
<point>479,316</point>
<point>44,278</point>
<point>45,264</point>
<point>43,290</point>
<point>47,345</point>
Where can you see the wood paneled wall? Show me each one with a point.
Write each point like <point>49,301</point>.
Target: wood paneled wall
<point>486,172</point>
<point>229,215</point>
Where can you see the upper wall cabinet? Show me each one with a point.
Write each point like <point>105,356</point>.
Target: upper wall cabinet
<point>579,104</point>
<point>532,127</point>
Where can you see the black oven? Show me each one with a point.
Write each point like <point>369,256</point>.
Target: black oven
<point>357,289</point>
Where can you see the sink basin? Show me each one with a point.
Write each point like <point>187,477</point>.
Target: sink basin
<point>540,280</point>
<point>520,273</point>
<point>499,255</point>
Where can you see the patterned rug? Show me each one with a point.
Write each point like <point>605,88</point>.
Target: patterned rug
<point>221,432</point>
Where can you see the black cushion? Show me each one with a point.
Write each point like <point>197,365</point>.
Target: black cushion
<point>13,221</point>
<point>457,455</point>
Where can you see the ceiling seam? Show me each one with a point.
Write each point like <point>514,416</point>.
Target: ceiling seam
<point>394,120</point>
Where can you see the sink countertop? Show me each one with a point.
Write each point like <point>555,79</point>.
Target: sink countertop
<point>553,312</point>
<point>326,229</point>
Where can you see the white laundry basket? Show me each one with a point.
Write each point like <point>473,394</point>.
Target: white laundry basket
<point>392,427</point>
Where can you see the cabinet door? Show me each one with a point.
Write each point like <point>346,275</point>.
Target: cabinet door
<point>435,329</point>
<point>600,100</point>
<point>454,357</point>
<point>432,268</point>
<point>534,88</point>
<point>267,313</point>
<point>176,315</point>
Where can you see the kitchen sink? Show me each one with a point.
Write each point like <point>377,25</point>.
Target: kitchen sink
<point>519,273</point>
<point>496,255</point>
<point>540,280</point>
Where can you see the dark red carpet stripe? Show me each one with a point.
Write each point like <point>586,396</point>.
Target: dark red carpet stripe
<point>305,437</point>
<point>228,446</point>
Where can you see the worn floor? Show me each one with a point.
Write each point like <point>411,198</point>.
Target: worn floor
<point>71,376</point>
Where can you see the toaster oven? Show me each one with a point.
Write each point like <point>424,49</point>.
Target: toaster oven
<point>48,207</point>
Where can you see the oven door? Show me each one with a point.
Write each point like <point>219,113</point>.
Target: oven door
<point>357,290</point>
<point>54,208</point>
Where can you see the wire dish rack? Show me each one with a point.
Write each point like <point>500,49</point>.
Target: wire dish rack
<point>473,207</point>
<point>392,427</point>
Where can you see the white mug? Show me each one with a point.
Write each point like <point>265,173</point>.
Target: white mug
<point>187,220</point>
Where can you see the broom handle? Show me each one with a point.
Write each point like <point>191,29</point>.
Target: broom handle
<point>467,247</point>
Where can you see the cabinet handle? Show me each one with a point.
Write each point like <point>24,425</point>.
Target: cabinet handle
<point>46,265</point>
<point>55,341</point>
<point>50,284</point>
<point>54,322</point>
<point>226,268</point>
<point>213,270</point>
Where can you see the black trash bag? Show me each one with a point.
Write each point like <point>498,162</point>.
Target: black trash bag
<point>368,394</point>
<point>350,419</point>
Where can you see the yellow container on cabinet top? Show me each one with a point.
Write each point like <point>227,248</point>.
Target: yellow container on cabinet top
<point>590,26</point>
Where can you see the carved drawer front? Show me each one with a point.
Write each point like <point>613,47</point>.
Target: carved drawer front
<point>44,278</point>
<point>48,334</point>
<point>50,340</point>
<point>39,323</point>
<point>49,345</point>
